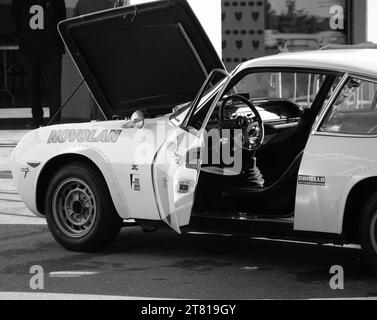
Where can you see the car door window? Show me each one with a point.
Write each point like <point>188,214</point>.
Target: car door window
<point>354,110</point>
<point>298,87</point>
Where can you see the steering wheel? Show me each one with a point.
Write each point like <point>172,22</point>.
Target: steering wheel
<point>237,112</point>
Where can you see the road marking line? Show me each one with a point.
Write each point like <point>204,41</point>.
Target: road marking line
<point>71,274</point>
<point>346,299</point>
<point>31,216</point>
<point>58,296</point>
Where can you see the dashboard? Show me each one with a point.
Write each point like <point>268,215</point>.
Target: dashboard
<point>281,117</point>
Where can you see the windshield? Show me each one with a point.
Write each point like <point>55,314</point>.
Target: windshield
<point>211,86</point>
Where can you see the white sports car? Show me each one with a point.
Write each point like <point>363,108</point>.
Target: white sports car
<point>284,147</point>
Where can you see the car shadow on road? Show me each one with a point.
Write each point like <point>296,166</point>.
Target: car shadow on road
<point>308,262</point>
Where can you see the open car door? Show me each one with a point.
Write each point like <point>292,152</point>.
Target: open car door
<point>177,165</point>
<point>176,172</point>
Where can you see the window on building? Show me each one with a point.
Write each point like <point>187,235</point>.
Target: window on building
<point>299,25</point>
<point>257,28</point>
<point>355,109</point>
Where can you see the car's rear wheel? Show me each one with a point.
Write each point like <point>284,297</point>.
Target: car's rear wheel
<point>79,209</point>
<point>368,231</point>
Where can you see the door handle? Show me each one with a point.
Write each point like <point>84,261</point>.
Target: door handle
<point>177,157</point>
<point>193,160</point>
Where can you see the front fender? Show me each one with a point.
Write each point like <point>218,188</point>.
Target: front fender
<point>27,178</point>
<point>33,154</point>
<point>103,163</point>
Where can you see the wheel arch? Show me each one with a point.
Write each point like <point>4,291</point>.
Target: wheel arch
<point>52,166</point>
<point>356,199</point>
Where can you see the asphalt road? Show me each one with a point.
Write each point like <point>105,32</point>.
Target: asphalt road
<point>165,265</point>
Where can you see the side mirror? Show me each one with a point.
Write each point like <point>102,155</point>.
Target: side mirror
<point>138,119</point>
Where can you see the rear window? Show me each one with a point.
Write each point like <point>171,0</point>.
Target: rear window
<point>355,109</point>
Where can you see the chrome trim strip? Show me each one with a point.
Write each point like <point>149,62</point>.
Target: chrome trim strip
<point>198,97</point>
<point>250,218</point>
<point>214,104</point>
<point>344,135</point>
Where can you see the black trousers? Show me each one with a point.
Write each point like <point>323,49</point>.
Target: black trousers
<point>48,70</point>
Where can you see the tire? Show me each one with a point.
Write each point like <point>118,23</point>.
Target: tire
<point>79,210</point>
<point>368,231</point>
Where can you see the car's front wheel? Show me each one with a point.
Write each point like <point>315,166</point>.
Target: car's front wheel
<point>79,209</point>
<point>368,231</point>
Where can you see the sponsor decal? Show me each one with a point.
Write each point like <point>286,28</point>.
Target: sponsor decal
<point>34,164</point>
<point>312,181</point>
<point>81,136</point>
<point>184,187</point>
<point>25,171</point>
<point>135,182</point>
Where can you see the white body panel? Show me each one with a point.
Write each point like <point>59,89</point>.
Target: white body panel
<point>116,161</point>
<point>343,162</point>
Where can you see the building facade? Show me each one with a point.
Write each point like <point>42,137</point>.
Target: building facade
<point>241,30</point>
<point>252,29</point>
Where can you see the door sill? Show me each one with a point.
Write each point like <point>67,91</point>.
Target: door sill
<point>288,219</point>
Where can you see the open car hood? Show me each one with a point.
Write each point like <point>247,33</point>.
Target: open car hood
<point>153,56</point>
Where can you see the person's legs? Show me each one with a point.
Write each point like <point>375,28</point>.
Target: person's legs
<point>34,71</point>
<point>53,77</point>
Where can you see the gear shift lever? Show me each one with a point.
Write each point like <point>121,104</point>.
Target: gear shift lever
<point>252,174</point>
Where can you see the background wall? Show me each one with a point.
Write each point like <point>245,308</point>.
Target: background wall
<point>371,20</point>
<point>243,25</point>
<point>220,22</point>
<point>359,26</point>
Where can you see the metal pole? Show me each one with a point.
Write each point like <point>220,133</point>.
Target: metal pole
<point>5,69</point>
<point>66,101</point>
<point>5,65</point>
